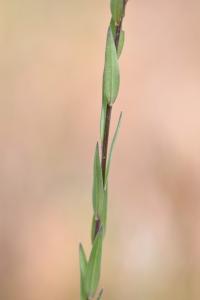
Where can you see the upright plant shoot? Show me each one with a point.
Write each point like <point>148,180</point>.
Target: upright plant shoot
<point>90,269</point>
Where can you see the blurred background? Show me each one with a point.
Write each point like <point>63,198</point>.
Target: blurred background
<point>51,63</point>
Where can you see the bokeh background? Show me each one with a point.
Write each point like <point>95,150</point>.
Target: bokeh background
<point>51,62</point>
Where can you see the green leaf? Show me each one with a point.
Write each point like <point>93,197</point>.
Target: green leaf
<point>112,147</point>
<point>94,266</point>
<point>104,211</point>
<point>111,77</point>
<point>83,270</point>
<point>121,43</point>
<point>98,191</point>
<point>100,295</point>
<point>117,10</point>
<point>83,260</point>
<point>93,229</point>
<point>103,217</point>
<point>112,26</point>
<point>103,117</point>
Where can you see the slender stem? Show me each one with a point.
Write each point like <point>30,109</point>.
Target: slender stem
<point>104,153</point>
<point>118,29</point>
<point>104,148</point>
<point>105,141</point>
<point>104,156</point>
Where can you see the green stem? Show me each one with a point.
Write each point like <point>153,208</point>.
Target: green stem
<point>118,28</point>
<point>90,268</point>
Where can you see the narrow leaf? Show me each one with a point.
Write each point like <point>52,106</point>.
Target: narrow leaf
<point>98,191</point>
<point>83,260</point>
<point>104,211</point>
<point>121,43</point>
<point>94,266</point>
<point>111,77</point>
<point>103,116</point>
<point>83,270</point>
<point>117,10</point>
<point>112,147</point>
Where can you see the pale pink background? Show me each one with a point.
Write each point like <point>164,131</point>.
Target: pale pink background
<point>51,65</point>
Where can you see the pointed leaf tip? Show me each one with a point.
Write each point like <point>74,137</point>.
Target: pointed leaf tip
<point>83,271</point>
<point>121,43</point>
<point>112,147</point>
<point>83,260</point>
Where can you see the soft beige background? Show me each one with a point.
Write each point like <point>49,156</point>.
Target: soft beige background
<point>51,62</point>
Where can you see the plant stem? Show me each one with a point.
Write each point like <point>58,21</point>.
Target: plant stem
<point>104,156</point>
<point>90,269</point>
<point>108,114</point>
<point>105,141</point>
<point>107,123</point>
